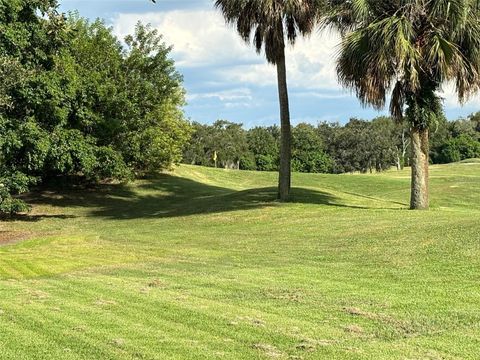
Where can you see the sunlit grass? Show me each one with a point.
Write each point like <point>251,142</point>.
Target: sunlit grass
<point>203,263</point>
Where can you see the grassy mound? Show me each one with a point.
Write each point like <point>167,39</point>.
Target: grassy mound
<point>204,263</point>
<point>470,161</point>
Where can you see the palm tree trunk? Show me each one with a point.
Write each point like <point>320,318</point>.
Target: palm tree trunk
<point>420,163</point>
<point>284,180</point>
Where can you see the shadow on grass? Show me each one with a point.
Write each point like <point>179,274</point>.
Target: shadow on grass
<point>32,218</point>
<point>170,196</point>
<point>373,199</point>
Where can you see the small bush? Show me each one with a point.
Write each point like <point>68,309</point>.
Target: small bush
<point>460,148</point>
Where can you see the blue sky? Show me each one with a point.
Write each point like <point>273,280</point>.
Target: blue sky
<point>226,79</point>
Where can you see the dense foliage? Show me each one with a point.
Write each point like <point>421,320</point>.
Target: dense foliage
<point>77,104</point>
<point>358,146</point>
<point>457,140</point>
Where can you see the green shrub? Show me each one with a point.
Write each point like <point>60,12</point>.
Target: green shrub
<point>460,148</point>
<point>13,184</point>
<point>110,166</point>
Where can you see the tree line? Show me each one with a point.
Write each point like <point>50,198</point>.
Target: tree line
<point>358,146</point>
<point>78,104</point>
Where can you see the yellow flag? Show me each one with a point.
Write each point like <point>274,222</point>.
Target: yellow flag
<point>214,156</point>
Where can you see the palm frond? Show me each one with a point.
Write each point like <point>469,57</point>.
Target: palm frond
<point>268,24</point>
<point>407,48</point>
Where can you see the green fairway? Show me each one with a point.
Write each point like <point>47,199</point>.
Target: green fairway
<point>203,264</point>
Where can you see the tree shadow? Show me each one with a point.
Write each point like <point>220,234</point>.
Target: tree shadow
<point>166,196</point>
<point>33,218</point>
<point>373,198</point>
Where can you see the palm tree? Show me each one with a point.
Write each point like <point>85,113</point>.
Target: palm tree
<point>408,49</point>
<point>270,24</point>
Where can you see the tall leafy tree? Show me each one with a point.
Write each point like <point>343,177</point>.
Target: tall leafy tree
<point>475,118</point>
<point>270,24</point>
<point>31,33</point>
<point>264,144</point>
<point>128,97</point>
<point>156,130</point>
<point>223,144</point>
<point>407,49</point>
<point>308,153</point>
<point>360,145</point>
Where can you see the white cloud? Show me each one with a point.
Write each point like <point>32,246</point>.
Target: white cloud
<point>310,65</point>
<point>322,95</point>
<point>226,95</point>
<point>451,99</point>
<point>240,105</point>
<point>252,74</point>
<point>201,38</point>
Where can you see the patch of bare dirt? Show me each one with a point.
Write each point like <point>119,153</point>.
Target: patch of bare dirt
<point>354,329</point>
<point>248,320</point>
<point>403,327</point>
<point>103,302</point>
<point>270,351</point>
<point>11,237</point>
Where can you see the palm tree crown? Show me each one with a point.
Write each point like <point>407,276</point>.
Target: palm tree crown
<point>409,48</point>
<point>266,23</point>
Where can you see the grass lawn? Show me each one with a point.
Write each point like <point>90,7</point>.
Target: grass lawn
<point>203,264</point>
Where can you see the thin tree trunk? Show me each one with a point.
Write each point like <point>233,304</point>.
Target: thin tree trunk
<point>405,144</point>
<point>420,163</point>
<point>398,161</point>
<point>284,180</point>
